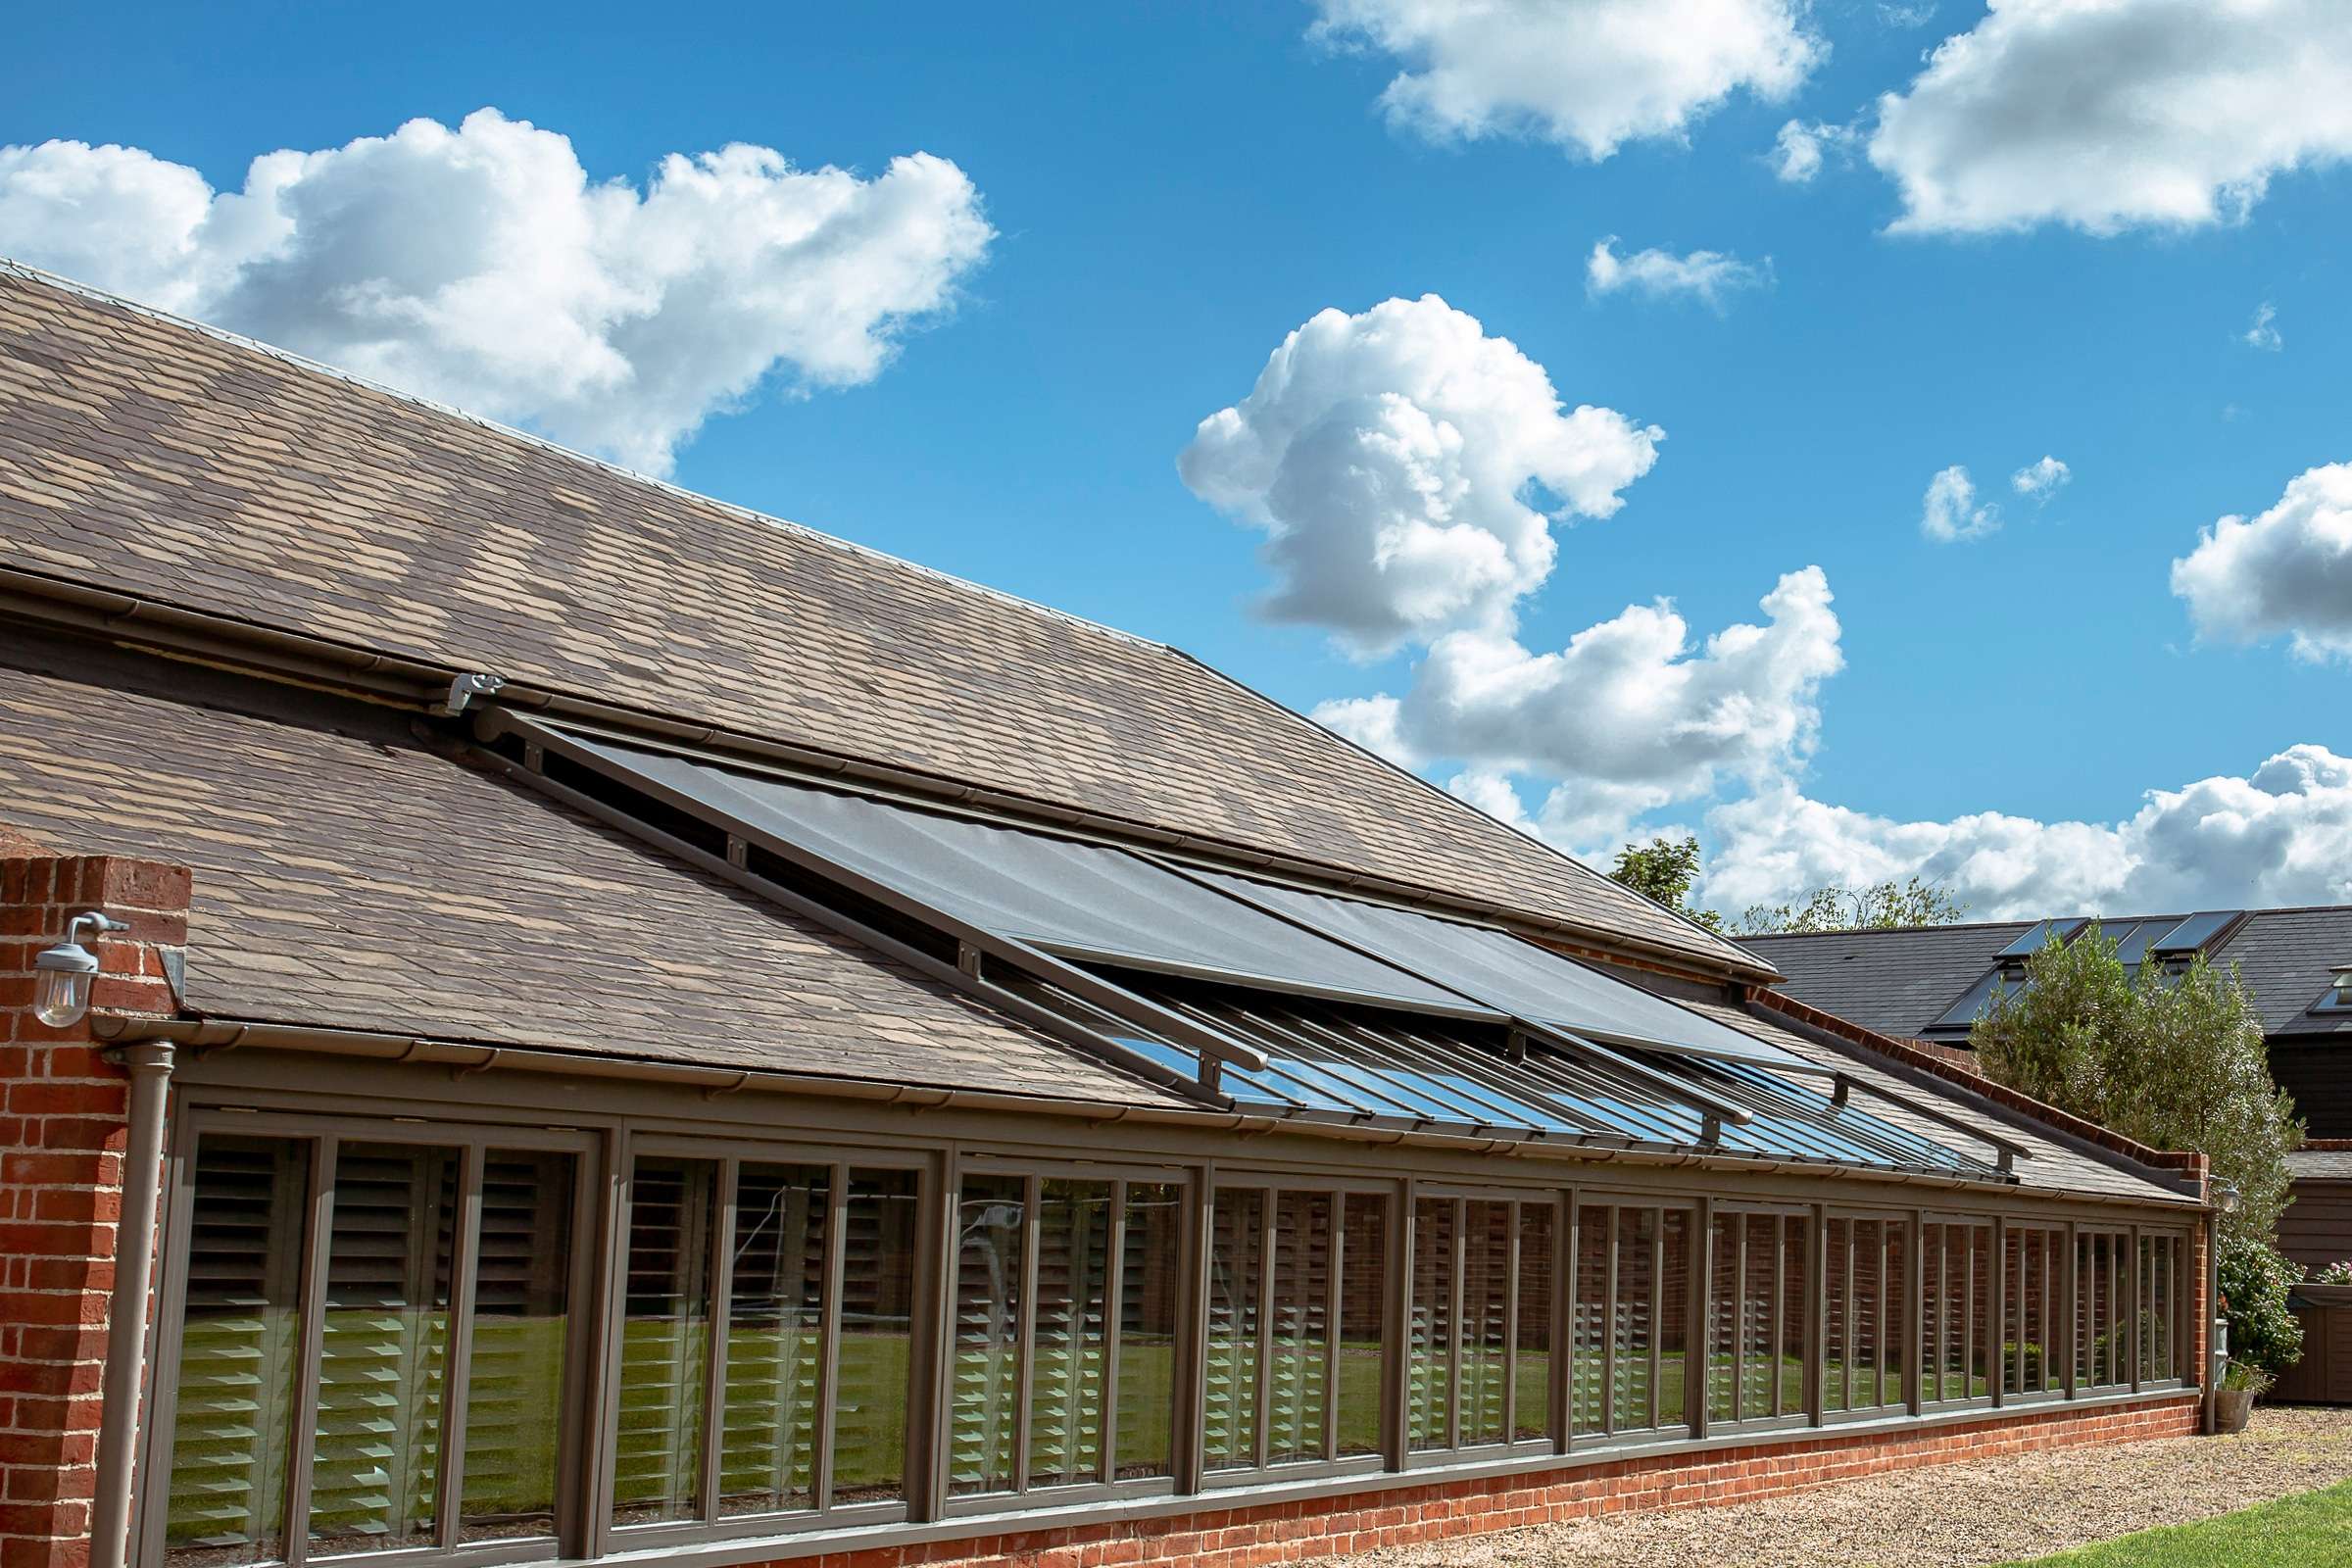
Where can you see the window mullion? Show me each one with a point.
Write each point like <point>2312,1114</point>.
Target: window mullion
<point>1335,1262</point>
<point>1261,1392</point>
<point>722,1298</point>
<point>1453,1324</point>
<point>828,1364</point>
<point>1114,1297</point>
<point>1566,1217</point>
<point>458,1378</point>
<point>1510,1326</point>
<point>1025,1331</point>
<point>313,1295</point>
<point>1611,1307</point>
<point>1657,1298</point>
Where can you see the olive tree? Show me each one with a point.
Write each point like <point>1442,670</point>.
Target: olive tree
<point>2173,1060</point>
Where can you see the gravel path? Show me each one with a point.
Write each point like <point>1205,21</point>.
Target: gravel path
<point>1943,1516</point>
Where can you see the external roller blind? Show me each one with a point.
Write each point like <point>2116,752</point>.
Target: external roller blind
<point>1080,901</point>
<point>1516,978</point>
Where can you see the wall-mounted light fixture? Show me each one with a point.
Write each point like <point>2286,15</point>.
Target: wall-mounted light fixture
<point>2225,1196</point>
<point>61,996</point>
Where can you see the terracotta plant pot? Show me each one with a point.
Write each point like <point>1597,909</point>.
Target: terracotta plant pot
<point>2230,1408</point>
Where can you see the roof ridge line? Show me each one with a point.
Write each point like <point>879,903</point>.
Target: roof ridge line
<point>11,267</point>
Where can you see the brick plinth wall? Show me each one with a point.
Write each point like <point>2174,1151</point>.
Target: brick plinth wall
<point>62,1129</point>
<point>1297,1532</point>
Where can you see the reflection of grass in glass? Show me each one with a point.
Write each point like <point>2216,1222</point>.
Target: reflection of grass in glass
<point>514,1424</point>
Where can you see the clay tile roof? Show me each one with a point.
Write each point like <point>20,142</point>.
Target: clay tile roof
<point>345,877</point>
<point>151,457</point>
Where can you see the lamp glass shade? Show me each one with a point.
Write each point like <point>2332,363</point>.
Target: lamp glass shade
<point>61,998</point>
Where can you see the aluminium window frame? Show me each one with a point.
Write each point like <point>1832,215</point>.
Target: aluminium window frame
<point>1695,1245</point>
<point>1885,1332</point>
<point>1270,1184</point>
<point>1106,1487</point>
<point>2056,1239</point>
<point>732,1152</point>
<point>1982,1319</point>
<point>1455,1451</point>
<point>579,1453</point>
<point>1806,1249</point>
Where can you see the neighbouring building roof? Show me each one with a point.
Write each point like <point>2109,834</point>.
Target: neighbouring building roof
<point>347,877</point>
<point>1905,982</point>
<point>146,455</point>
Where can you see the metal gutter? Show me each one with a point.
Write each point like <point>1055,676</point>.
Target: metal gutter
<point>203,1036</point>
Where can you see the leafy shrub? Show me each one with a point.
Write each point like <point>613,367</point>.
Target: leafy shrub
<point>2338,1272</point>
<point>2255,1278</point>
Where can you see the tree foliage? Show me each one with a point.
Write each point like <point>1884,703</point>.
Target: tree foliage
<point>1666,869</point>
<point>1663,871</point>
<point>2173,1060</point>
<point>1838,907</point>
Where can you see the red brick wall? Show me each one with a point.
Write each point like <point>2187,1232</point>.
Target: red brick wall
<point>62,1110</point>
<point>1295,1531</point>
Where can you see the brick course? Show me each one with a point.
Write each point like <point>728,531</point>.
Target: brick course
<point>62,1130</point>
<point>1299,1532</point>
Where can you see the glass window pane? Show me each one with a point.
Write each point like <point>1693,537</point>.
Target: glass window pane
<point>666,1341</point>
<point>1235,1253</point>
<point>1588,1322</point>
<point>1149,1288</point>
<point>1070,1349</point>
<point>775,1340</point>
<point>1633,1322</point>
<point>1893,1323</point>
<point>1430,1337</point>
<point>391,1252</point>
<point>1724,1321</point>
<point>1674,1315</point>
<point>1298,1361</point>
<point>1838,1298</point>
<point>1533,1374</point>
<point>1485,1321</point>
<point>515,1416</point>
<point>1982,1358</point>
<point>1796,1270</point>
<point>880,1241</point>
<point>991,1217</point>
<point>1363,1321</point>
<point>239,1344</point>
<point>1758,1295</point>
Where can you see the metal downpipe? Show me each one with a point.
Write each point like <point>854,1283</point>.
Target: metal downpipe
<point>150,1068</point>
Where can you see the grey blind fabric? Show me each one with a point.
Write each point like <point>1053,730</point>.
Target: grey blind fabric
<point>1077,900</point>
<point>1517,977</point>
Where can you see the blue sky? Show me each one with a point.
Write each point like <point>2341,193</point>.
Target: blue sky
<point>1175,188</point>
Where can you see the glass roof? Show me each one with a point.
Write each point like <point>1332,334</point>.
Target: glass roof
<point>1512,976</point>
<point>1442,1074</point>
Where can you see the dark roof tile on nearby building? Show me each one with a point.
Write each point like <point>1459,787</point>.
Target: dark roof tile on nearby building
<point>145,456</point>
<point>1895,982</point>
<point>345,877</point>
<point>1899,982</point>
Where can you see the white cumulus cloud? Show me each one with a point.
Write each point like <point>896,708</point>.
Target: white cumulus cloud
<point>1802,147</point>
<point>2285,573</point>
<point>1708,277</point>
<point>1949,515</point>
<point>2039,481</point>
<point>1401,461</point>
<point>2282,835</point>
<point>480,267</point>
<point>1628,716</point>
<point>2105,114</point>
<point>1586,75</point>
<point>2264,333</point>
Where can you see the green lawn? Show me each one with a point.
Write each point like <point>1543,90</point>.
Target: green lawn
<point>2305,1531</point>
